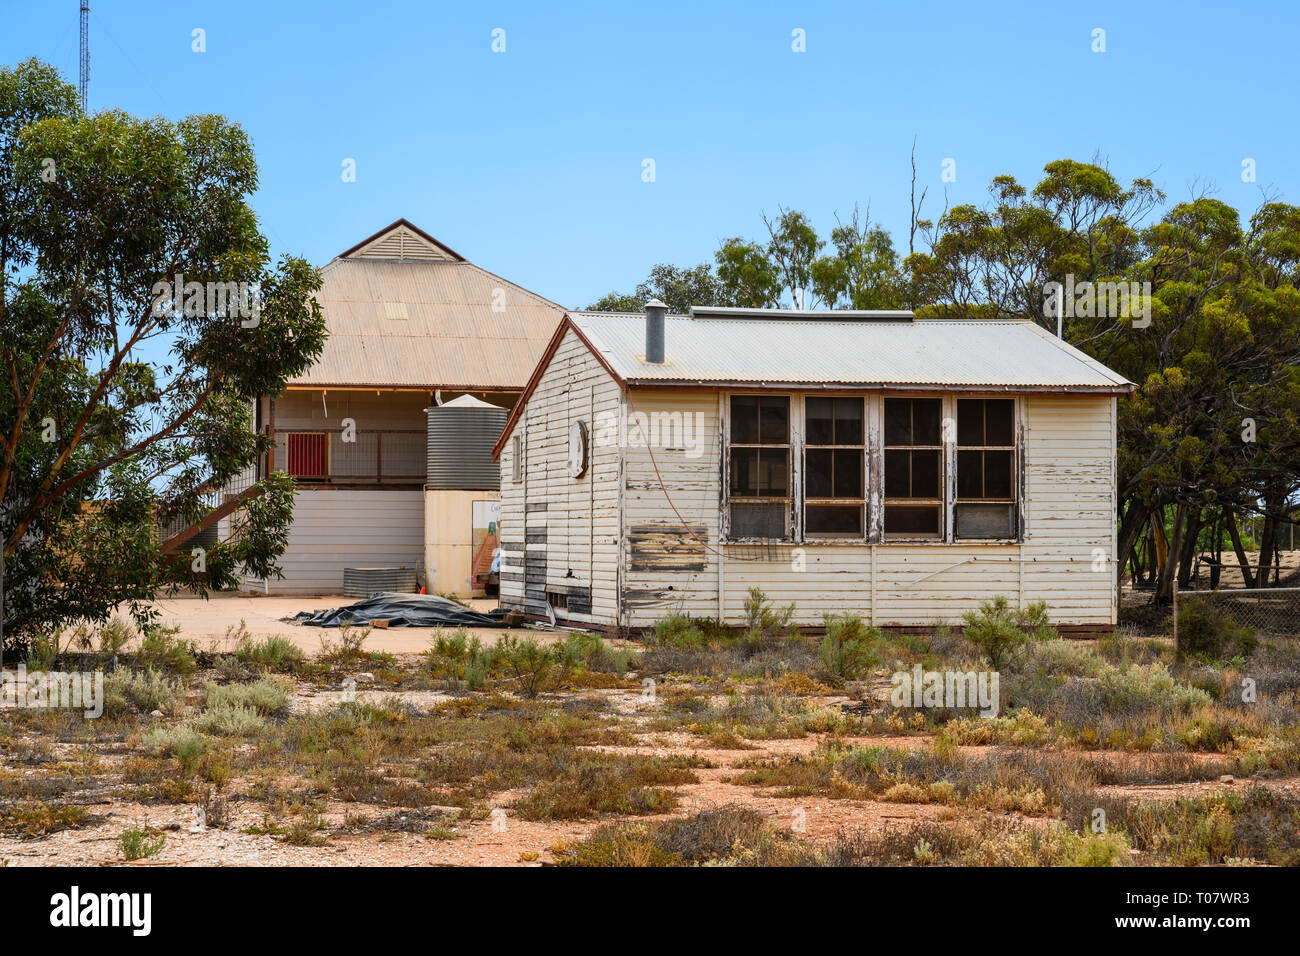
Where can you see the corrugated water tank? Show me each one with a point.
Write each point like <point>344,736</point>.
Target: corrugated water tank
<point>461,435</point>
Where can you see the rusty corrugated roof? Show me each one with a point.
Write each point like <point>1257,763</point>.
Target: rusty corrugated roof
<point>881,350</point>
<point>463,327</point>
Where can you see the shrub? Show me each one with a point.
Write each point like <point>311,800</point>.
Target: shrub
<point>1207,631</point>
<point>678,630</point>
<point>114,636</point>
<point>139,692</point>
<point>532,665</point>
<point>261,696</point>
<point>38,819</point>
<point>347,649</point>
<point>764,621</point>
<point>583,649</point>
<point>181,741</point>
<point>275,652</point>
<point>846,647</point>
<point>229,720</point>
<point>160,647</point>
<point>999,631</point>
<point>458,657</point>
<point>140,842</point>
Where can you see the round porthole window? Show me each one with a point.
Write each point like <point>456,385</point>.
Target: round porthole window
<point>578,449</point>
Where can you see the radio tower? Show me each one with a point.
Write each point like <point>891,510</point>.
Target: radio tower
<point>85,51</point>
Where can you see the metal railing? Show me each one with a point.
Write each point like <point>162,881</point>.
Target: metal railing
<point>372,455</point>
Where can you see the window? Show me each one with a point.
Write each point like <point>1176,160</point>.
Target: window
<point>913,467</point>
<point>758,490</point>
<point>516,458</point>
<point>308,454</point>
<point>986,468</point>
<point>834,460</point>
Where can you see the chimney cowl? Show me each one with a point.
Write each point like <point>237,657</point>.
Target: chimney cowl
<point>654,331</point>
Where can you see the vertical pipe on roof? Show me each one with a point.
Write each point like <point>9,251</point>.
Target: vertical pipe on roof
<point>654,331</point>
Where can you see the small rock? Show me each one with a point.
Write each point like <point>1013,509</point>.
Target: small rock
<point>1226,778</point>
<point>155,713</point>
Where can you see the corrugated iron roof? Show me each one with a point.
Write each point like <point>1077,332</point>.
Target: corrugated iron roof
<point>876,351</point>
<point>450,337</point>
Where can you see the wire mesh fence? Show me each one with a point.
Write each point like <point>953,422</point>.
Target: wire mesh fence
<point>1274,611</point>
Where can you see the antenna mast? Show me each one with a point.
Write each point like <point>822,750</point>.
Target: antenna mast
<point>85,51</point>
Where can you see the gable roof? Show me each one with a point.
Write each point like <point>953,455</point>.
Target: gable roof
<point>742,348</point>
<point>402,239</point>
<point>822,349</point>
<point>428,320</point>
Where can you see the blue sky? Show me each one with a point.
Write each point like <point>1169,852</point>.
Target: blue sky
<point>529,162</point>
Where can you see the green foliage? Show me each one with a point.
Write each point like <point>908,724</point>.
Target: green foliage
<point>763,620</point>
<point>135,442</point>
<point>847,649</point>
<point>139,692</point>
<point>1206,631</point>
<point>678,630</point>
<point>275,653</point>
<point>999,631</point>
<point>458,657</point>
<point>229,720</point>
<point>161,648</point>
<point>532,665</point>
<point>141,842</point>
<point>265,697</point>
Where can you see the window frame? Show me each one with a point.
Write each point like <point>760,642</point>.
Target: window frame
<point>942,535</point>
<point>863,449</point>
<point>874,448</point>
<point>1015,496</point>
<point>790,531</point>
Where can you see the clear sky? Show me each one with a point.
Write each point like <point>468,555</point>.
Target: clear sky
<point>529,161</point>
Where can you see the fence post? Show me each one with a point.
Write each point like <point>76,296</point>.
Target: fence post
<point>1175,594</point>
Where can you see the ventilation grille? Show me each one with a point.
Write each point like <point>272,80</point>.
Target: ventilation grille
<point>402,244</point>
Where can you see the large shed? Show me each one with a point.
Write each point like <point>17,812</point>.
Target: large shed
<point>870,462</point>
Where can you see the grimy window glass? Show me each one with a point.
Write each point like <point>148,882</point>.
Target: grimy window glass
<point>834,471</point>
<point>913,467</point>
<point>986,468</point>
<point>758,491</point>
